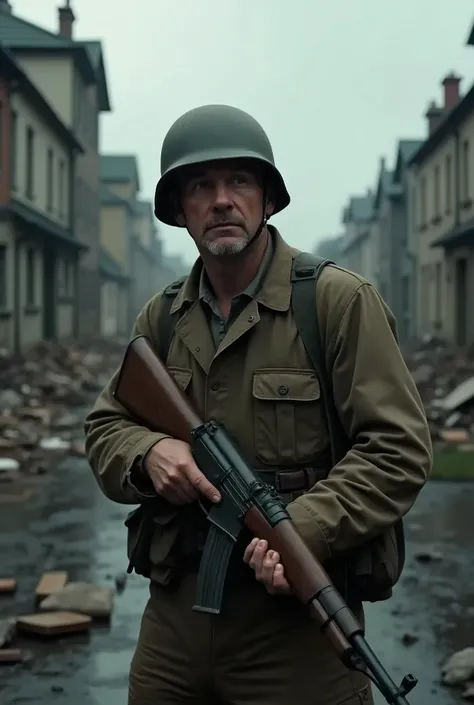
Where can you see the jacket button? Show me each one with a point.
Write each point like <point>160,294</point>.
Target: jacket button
<point>282,390</point>
<point>215,386</point>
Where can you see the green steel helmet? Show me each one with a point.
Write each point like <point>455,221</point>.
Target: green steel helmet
<point>209,133</point>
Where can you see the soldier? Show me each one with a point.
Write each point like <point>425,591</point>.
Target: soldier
<point>234,349</point>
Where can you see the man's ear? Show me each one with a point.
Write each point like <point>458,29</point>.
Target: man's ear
<point>269,207</point>
<point>177,210</point>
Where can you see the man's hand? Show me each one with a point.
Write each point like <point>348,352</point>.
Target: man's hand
<point>267,567</point>
<point>175,475</point>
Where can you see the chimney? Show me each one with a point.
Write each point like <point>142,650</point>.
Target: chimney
<point>451,90</point>
<point>5,6</point>
<point>66,20</point>
<point>434,115</point>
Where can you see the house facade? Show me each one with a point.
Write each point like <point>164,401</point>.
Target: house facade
<point>442,217</point>
<point>395,275</point>
<point>356,250</point>
<point>71,76</point>
<point>39,249</point>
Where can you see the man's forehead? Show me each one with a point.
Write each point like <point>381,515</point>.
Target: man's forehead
<point>221,168</point>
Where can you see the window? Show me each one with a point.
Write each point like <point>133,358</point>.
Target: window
<point>413,208</point>
<point>438,291</point>
<point>436,204</point>
<point>30,162</point>
<point>3,276</point>
<point>64,278</point>
<point>465,170</point>
<point>30,277</point>
<point>423,201</point>
<point>405,295</point>
<point>448,184</point>
<point>49,181</point>
<point>61,189</point>
<point>13,148</point>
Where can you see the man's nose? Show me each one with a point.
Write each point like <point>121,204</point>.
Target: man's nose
<point>222,195</point>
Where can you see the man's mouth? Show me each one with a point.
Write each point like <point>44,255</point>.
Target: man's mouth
<point>217,226</point>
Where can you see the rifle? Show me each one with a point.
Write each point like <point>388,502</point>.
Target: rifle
<point>148,393</point>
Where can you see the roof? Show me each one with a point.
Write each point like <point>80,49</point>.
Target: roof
<point>470,39</point>
<point>21,36</point>
<point>119,168</point>
<point>359,209</point>
<point>451,119</point>
<point>10,69</point>
<point>109,267</point>
<point>96,54</point>
<point>406,148</point>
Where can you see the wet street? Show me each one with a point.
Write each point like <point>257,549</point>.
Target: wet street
<point>66,524</point>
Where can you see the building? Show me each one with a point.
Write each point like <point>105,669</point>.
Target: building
<point>148,253</point>
<point>395,271</point>
<point>470,38</point>
<point>329,248</point>
<point>128,235</point>
<point>39,249</point>
<point>72,78</point>
<point>357,251</point>
<point>441,208</point>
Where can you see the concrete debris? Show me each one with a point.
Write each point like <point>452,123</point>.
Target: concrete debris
<point>82,598</point>
<point>51,583</point>
<point>42,394</point>
<point>54,623</point>
<point>459,671</point>
<point>7,631</point>
<point>64,608</point>
<point>444,377</point>
<point>7,586</point>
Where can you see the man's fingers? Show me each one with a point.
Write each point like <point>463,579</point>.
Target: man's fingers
<point>201,484</point>
<point>248,553</point>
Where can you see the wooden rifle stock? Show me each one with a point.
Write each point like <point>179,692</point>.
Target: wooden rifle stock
<point>145,389</point>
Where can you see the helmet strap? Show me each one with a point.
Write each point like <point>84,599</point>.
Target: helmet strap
<point>263,222</point>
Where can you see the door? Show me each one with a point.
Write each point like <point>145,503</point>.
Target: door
<point>49,294</point>
<point>461,301</point>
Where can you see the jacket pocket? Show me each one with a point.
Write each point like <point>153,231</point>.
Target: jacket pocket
<point>289,423</point>
<point>181,375</point>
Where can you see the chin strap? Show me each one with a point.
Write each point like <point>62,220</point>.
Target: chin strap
<point>263,222</point>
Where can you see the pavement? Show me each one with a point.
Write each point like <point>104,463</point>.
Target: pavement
<point>67,524</point>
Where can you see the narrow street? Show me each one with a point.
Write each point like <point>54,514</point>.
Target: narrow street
<point>67,524</point>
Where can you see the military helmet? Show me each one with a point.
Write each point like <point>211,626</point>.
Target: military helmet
<point>209,133</point>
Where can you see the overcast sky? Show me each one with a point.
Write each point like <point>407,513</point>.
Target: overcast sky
<point>335,84</point>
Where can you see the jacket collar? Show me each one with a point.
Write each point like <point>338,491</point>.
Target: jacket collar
<point>275,291</point>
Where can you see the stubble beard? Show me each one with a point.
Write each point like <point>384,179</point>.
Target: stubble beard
<point>219,249</point>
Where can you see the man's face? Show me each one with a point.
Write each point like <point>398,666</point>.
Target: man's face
<point>221,205</point>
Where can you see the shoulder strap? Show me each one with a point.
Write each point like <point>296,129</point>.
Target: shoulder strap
<point>165,322</point>
<point>304,276</point>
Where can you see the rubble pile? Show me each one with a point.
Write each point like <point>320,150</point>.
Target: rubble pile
<point>43,395</point>
<point>445,379</point>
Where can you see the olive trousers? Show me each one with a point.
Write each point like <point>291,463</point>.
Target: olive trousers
<point>261,650</point>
